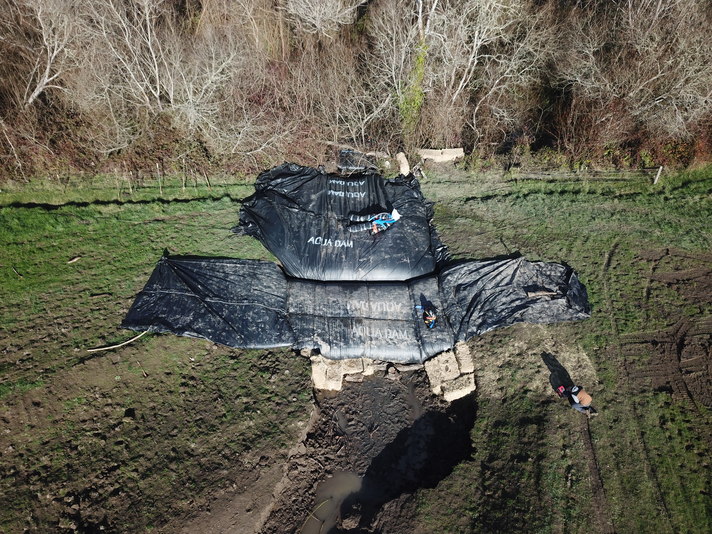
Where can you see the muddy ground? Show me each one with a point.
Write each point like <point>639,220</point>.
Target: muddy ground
<point>369,449</point>
<point>178,435</point>
<point>393,435</point>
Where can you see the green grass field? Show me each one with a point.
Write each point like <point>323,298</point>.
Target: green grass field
<point>652,438</point>
<point>127,439</point>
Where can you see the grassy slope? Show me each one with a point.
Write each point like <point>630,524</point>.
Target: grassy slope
<point>152,425</point>
<point>131,437</point>
<point>529,471</point>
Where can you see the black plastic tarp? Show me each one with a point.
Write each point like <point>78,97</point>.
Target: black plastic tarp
<point>239,303</point>
<point>252,304</point>
<point>377,320</point>
<point>327,227</point>
<point>483,295</point>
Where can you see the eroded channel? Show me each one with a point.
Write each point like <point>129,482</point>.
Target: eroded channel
<point>369,448</point>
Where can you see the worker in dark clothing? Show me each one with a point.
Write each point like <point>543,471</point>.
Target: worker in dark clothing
<point>565,387</point>
<point>430,317</point>
<point>578,399</point>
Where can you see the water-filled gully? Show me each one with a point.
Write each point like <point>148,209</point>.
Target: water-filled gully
<point>377,441</point>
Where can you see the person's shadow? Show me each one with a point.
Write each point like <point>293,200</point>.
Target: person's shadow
<point>559,375</point>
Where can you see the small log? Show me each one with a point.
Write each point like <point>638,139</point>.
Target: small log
<point>441,156</point>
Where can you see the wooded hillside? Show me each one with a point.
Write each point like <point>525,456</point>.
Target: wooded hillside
<point>157,86</point>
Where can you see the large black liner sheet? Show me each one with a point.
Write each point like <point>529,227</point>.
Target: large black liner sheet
<point>239,303</point>
<point>314,223</point>
<point>376,320</point>
<point>483,295</point>
<point>252,304</point>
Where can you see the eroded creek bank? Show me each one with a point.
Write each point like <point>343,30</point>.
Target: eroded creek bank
<point>367,449</point>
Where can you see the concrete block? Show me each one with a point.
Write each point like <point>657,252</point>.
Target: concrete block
<point>459,387</point>
<point>326,374</point>
<point>440,369</point>
<point>352,366</point>
<point>465,361</point>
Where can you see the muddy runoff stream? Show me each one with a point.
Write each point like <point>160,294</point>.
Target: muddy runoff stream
<point>368,448</point>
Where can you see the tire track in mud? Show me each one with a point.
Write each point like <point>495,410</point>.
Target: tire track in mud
<point>600,506</point>
<point>682,353</point>
<point>669,369</point>
<point>600,500</point>
<point>646,291</point>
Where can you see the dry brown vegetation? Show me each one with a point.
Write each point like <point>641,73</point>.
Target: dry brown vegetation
<point>159,85</point>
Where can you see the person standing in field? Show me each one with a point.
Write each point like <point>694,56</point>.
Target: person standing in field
<point>565,387</point>
<point>578,398</point>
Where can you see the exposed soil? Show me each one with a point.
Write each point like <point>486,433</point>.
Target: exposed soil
<point>681,354</point>
<point>128,436</point>
<point>681,363</point>
<point>97,442</point>
<point>371,447</point>
<point>389,432</point>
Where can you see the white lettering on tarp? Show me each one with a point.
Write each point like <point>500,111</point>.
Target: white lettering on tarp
<point>379,333</point>
<point>373,307</point>
<point>348,183</point>
<point>328,242</point>
<point>346,194</point>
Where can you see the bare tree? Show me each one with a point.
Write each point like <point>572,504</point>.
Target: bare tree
<point>323,17</point>
<point>140,62</point>
<point>454,51</point>
<point>39,35</point>
<point>56,28</point>
<point>341,102</point>
<point>646,59</point>
<point>138,37</point>
<point>394,37</point>
<point>503,94</point>
<point>466,38</point>
<point>396,60</point>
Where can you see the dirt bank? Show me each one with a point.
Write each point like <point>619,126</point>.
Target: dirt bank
<point>391,433</point>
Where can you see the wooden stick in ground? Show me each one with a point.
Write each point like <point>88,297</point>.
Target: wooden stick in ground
<point>120,344</point>
<point>657,176</point>
<point>145,374</point>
